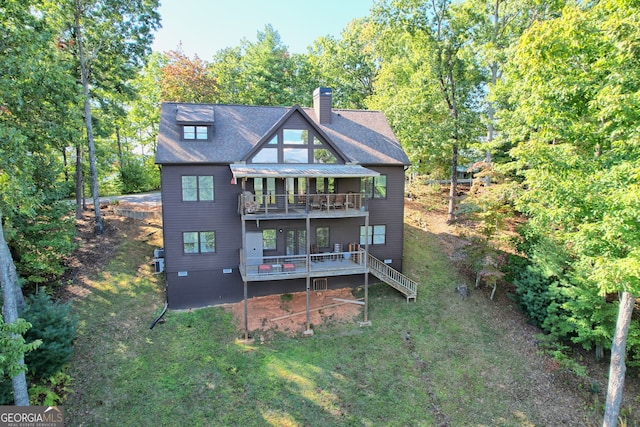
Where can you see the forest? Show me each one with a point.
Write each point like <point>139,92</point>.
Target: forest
<point>538,100</point>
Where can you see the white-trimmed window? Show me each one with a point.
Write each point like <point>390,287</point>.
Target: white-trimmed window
<point>197,188</point>
<point>376,235</point>
<point>195,242</point>
<point>195,132</point>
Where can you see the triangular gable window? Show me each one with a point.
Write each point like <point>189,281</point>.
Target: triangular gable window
<point>295,142</point>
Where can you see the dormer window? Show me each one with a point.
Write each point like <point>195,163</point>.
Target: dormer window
<point>193,132</point>
<point>195,121</point>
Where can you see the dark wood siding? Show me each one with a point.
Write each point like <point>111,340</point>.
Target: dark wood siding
<point>220,215</point>
<point>341,230</point>
<point>389,212</point>
<point>296,121</point>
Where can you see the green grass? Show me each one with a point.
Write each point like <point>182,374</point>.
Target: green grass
<point>458,367</point>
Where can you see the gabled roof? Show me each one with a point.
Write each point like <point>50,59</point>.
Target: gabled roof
<point>362,136</point>
<point>291,111</point>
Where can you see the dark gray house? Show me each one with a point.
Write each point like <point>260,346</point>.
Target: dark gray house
<point>264,200</point>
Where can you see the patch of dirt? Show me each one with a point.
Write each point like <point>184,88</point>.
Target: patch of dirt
<point>95,251</point>
<point>287,313</point>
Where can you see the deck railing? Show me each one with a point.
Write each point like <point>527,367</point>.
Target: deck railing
<point>329,263</point>
<point>249,203</point>
<point>393,278</point>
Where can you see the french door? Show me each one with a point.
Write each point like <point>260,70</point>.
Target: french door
<point>296,242</point>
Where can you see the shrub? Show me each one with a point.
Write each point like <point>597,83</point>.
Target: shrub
<point>52,391</point>
<point>53,324</point>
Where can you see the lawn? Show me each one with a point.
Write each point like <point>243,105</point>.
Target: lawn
<point>441,360</point>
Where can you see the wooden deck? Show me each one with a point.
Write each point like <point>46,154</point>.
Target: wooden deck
<point>326,265</point>
<point>300,266</point>
<point>280,206</point>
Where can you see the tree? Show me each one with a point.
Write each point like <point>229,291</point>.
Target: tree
<point>111,40</point>
<point>185,79</point>
<point>571,89</point>
<point>348,64</point>
<point>444,70</point>
<point>500,24</point>
<point>12,327</point>
<point>261,72</point>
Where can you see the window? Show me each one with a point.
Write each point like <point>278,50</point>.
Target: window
<point>295,146</point>
<point>376,235</point>
<point>374,187</point>
<point>380,187</point>
<point>266,155</point>
<point>295,155</point>
<point>322,155</point>
<point>197,188</point>
<point>295,136</point>
<point>322,237</point>
<point>194,242</point>
<point>190,132</point>
<point>325,185</point>
<point>265,190</point>
<point>269,239</point>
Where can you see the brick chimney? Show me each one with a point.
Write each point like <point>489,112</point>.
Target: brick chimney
<point>322,104</point>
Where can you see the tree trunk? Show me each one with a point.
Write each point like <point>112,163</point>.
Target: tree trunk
<point>11,298</point>
<point>453,189</point>
<point>84,75</point>
<point>617,365</point>
<point>79,183</point>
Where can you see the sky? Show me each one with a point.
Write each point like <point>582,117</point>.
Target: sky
<point>206,26</point>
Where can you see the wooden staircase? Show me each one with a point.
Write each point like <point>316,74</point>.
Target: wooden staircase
<point>393,278</point>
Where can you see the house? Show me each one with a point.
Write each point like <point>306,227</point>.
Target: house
<point>265,200</point>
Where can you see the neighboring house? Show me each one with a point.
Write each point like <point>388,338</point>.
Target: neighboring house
<point>267,200</point>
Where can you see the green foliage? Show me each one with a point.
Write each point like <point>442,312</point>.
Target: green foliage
<point>569,108</point>
<point>429,81</point>
<point>138,175</point>
<point>348,64</point>
<point>532,289</point>
<point>562,354</point>
<point>42,243</point>
<point>51,392</point>
<point>55,326</point>
<point>14,347</point>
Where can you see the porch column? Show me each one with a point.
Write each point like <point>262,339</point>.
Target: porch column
<point>309,331</point>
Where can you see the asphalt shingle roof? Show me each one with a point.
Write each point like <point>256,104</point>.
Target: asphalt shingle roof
<point>362,136</point>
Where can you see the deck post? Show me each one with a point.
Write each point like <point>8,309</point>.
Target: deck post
<point>366,297</point>
<point>308,331</point>
<point>366,321</point>
<point>246,313</point>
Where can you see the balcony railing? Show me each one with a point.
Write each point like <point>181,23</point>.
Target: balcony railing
<point>348,203</point>
<point>296,266</point>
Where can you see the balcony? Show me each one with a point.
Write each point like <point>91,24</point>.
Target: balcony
<point>254,269</point>
<point>291,206</point>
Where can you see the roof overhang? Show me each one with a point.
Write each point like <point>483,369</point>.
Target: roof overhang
<point>300,171</point>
